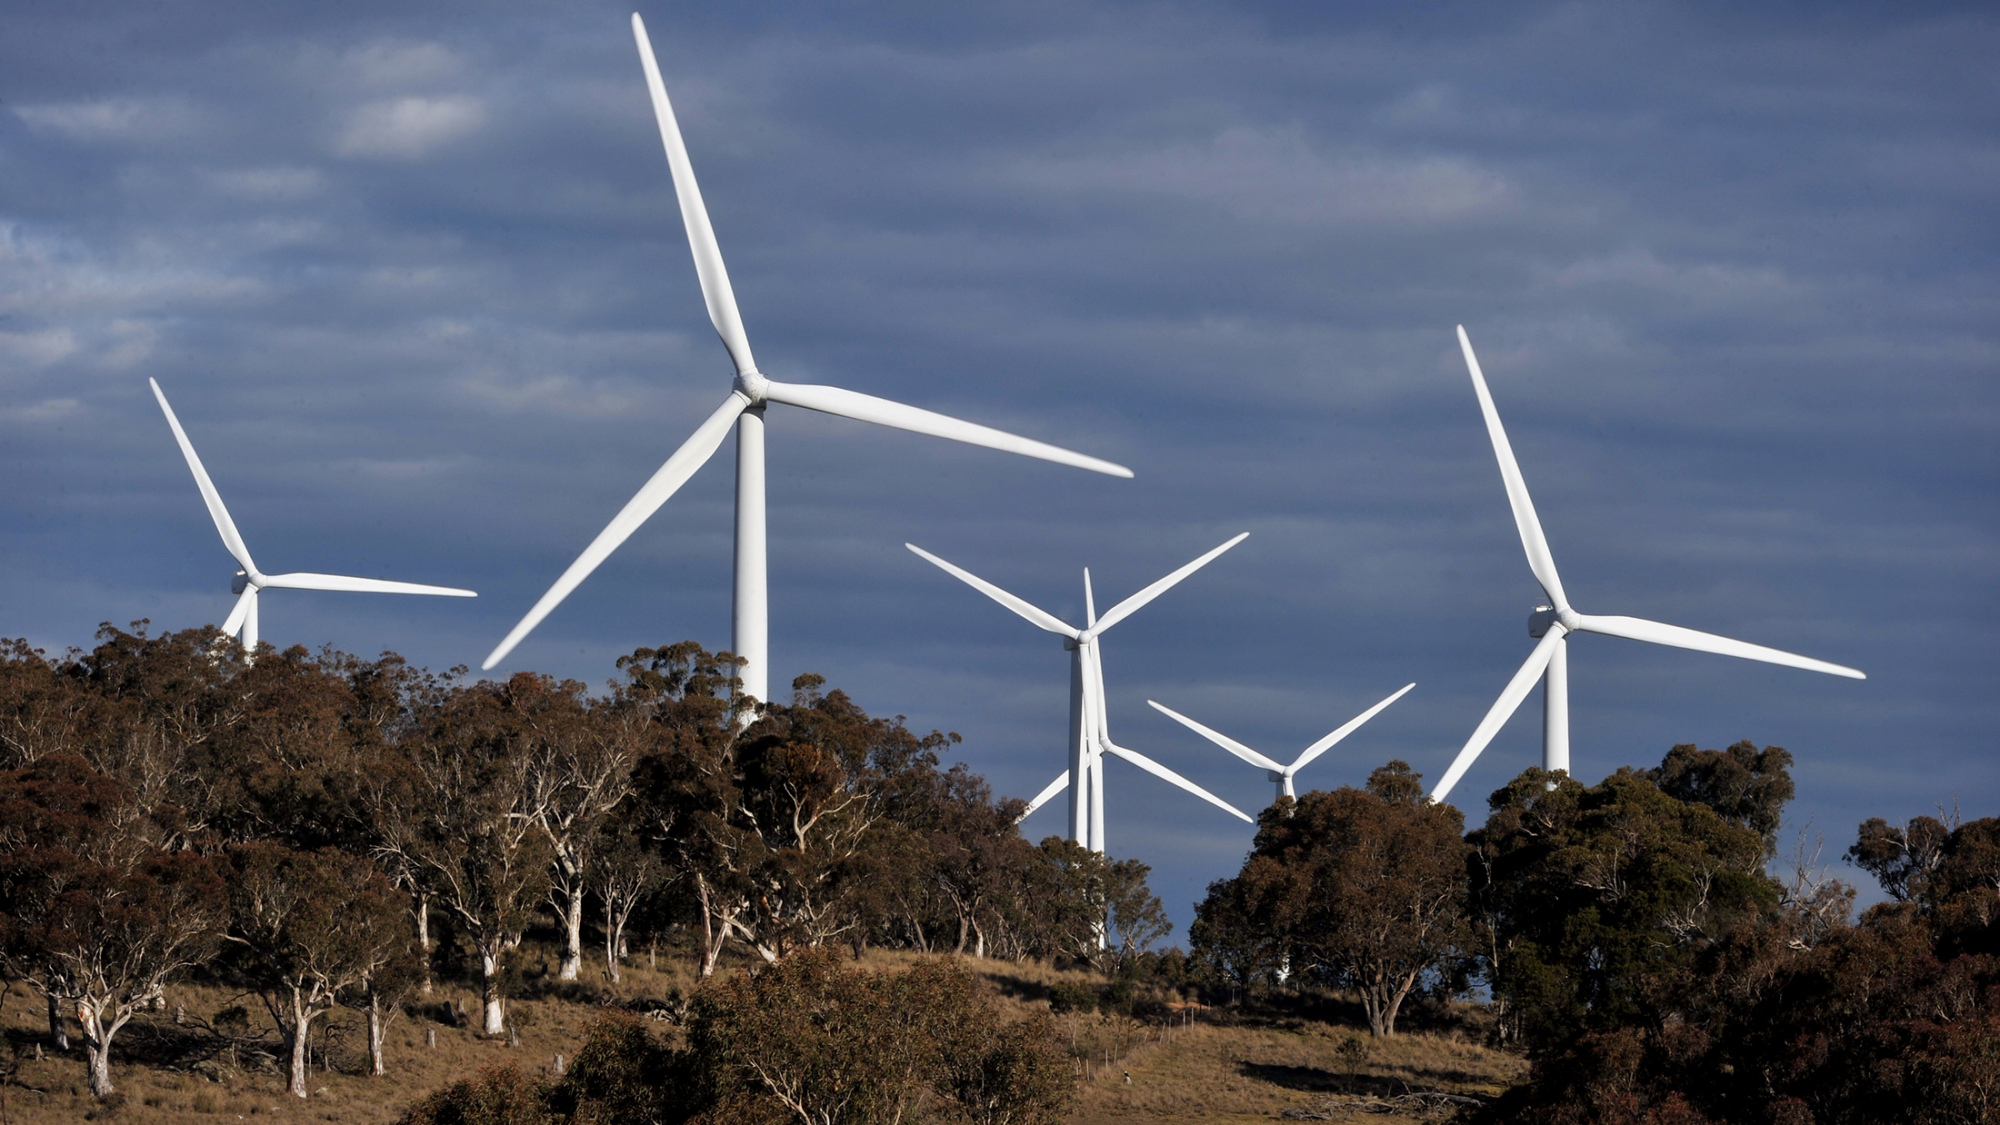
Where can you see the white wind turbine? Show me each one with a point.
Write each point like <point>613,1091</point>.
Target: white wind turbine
<point>745,409</point>
<point>250,580</point>
<point>1553,623</point>
<point>1090,733</point>
<point>1280,774</point>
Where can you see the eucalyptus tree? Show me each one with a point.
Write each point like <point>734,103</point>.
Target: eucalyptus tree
<point>165,704</point>
<point>1356,888</point>
<point>43,708</point>
<point>94,914</point>
<point>473,838</point>
<point>313,924</point>
<point>577,754</point>
<point>627,870</point>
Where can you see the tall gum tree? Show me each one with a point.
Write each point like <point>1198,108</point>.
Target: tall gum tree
<point>164,705</point>
<point>685,782</point>
<point>1364,889</point>
<point>95,915</point>
<point>314,923</point>
<point>577,753</point>
<point>473,834</point>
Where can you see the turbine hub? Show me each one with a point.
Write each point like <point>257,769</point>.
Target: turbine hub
<point>1545,616</point>
<point>239,583</point>
<point>753,385</point>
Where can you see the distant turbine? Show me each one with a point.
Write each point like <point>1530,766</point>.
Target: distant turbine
<point>1554,621</point>
<point>1280,774</point>
<point>745,408</point>
<point>1090,732</point>
<point>250,580</point>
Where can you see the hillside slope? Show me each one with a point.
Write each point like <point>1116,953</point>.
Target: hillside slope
<point>1187,1064</point>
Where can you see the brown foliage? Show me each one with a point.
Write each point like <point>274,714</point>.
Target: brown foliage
<point>93,914</point>
<point>1364,889</point>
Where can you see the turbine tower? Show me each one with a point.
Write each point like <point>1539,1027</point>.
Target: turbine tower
<point>1554,621</point>
<point>1280,774</point>
<point>744,409</point>
<point>250,580</point>
<point>1090,732</point>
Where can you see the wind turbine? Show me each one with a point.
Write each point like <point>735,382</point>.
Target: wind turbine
<point>1280,774</point>
<point>1554,621</point>
<point>250,580</point>
<point>1090,733</point>
<point>744,408</point>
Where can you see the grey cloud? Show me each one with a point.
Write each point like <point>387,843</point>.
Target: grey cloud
<point>410,126</point>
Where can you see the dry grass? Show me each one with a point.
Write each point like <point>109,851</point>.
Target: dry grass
<point>1253,1072</point>
<point>1218,1067</point>
<point>170,1075</point>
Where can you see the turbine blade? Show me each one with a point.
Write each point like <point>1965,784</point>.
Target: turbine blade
<point>1222,740</point>
<point>1089,602</point>
<point>1345,729</point>
<point>230,539</point>
<point>1132,604</point>
<point>1502,709</point>
<point>1094,693</point>
<point>1054,787</point>
<point>1640,629</point>
<point>708,265</point>
<point>1525,521</point>
<point>882,412</point>
<point>692,455</point>
<point>1038,616</point>
<point>239,611</point>
<point>304,580</point>
<point>1172,778</point>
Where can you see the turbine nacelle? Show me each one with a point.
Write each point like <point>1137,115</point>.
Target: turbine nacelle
<point>241,582</point>
<point>1545,616</point>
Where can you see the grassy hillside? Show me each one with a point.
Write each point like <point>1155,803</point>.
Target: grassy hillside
<point>1195,1064</point>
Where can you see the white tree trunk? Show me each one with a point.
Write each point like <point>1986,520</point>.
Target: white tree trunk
<point>424,937</point>
<point>100,1071</point>
<point>569,907</point>
<point>489,991</point>
<point>375,1030</point>
<point>712,936</point>
<point>97,1036</point>
<point>614,938</point>
<point>302,1017</point>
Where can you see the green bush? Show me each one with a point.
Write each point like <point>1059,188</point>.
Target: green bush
<point>1072,996</point>
<point>1117,997</point>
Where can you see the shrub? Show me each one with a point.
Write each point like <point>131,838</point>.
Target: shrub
<point>498,1096</point>
<point>1072,996</point>
<point>805,1040</point>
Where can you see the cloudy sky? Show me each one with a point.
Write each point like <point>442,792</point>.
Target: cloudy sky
<point>418,288</point>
